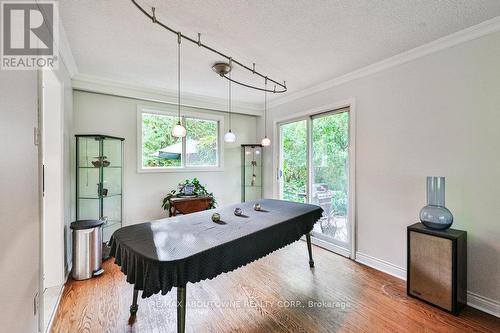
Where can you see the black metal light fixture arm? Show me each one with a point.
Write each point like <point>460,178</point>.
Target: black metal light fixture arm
<point>281,86</point>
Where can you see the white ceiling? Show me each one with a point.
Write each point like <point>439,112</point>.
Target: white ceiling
<point>304,42</point>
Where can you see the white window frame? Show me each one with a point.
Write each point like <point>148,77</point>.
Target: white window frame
<point>172,111</point>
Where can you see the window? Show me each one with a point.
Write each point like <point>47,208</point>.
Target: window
<point>201,142</point>
<point>159,151</point>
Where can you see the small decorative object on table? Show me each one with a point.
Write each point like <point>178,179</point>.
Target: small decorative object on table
<point>216,217</point>
<point>257,206</point>
<point>238,211</point>
<point>188,189</point>
<point>435,215</point>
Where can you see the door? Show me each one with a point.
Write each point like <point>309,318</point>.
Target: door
<point>330,176</point>
<point>314,168</point>
<point>19,198</point>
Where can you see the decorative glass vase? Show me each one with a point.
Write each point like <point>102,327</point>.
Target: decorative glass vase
<point>435,215</point>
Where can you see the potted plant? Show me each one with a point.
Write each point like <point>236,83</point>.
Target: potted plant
<point>189,188</point>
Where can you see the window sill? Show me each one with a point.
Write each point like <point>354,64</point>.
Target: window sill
<point>180,170</point>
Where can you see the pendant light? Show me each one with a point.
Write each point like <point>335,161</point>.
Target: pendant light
<point>178,130</point>
<point>229,136</point>
<point>266,141</point>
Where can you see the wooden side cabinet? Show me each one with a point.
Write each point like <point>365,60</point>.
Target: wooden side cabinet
<point>437,267</point>
<point>188,205</point>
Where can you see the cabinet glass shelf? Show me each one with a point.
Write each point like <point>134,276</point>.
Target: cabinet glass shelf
<point>99,188</point>
<point>101,197</point>
<point>93,167</point>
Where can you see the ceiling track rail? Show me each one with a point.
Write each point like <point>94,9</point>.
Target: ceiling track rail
<point>278,87</point>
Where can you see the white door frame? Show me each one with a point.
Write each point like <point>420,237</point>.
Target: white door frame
<point>349,103</point>
<point>52,146</point>
<point>280,154</point>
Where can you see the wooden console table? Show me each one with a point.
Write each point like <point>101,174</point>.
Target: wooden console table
<point>188,205</point>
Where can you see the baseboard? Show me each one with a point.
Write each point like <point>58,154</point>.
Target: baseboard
<point>330,247</point>
<point>381,265</point>
<point>474,300</point>
<point>49,326</point>
<point>484,304</point>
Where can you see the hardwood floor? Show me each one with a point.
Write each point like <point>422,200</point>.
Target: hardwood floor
<point>270,295</point>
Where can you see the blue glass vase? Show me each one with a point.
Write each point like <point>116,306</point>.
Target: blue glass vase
<point>435,215</point>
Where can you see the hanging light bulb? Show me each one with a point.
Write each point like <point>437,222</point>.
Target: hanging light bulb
<point>265,141</point>
<point>229,136</point>
<point>179,131</point>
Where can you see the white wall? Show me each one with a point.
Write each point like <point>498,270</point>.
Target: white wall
<point>19,201</point>
<point>436,115</point>
<point>143,192</point>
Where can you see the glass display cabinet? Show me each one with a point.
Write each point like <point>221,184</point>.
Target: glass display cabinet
<point>99,177</point>
<point>251,172</point>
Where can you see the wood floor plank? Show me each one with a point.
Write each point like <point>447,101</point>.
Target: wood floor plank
<point>278,293</point>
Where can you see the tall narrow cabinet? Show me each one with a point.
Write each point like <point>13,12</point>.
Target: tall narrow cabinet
<point>251,172</point>
<point>99,178</point>
<point>437,266</point>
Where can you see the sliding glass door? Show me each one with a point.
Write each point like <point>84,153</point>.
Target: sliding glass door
<point>314,168</point>
<point>293,156</point>
<point>330,176</point>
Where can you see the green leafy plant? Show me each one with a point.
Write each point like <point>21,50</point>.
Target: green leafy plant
<point>198,189</point>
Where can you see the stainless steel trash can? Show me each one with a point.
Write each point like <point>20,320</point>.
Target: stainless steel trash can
<point>87,249</point>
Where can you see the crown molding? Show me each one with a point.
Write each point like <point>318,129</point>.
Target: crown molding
<point>106,86</point>
<point>65,52</point>
<point>476,31</point>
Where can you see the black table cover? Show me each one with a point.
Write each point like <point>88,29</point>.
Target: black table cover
<point>170,252</point>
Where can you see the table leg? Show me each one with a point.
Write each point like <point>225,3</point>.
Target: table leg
<point>309,249</point>
<point>181,309</point>
<point>134,306</point>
